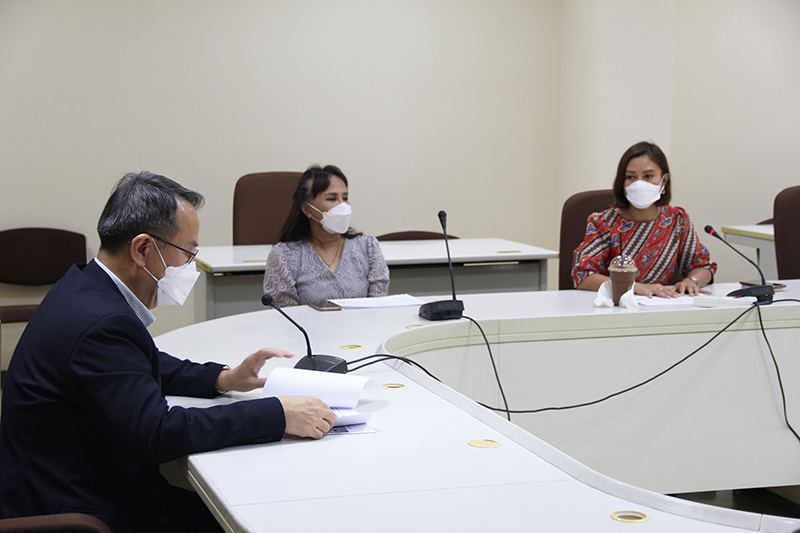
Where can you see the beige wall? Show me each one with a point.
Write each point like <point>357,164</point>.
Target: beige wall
<point>616,86</point>
<point>736,113</point>
<point>494,110</point>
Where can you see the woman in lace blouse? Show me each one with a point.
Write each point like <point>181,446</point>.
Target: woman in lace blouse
<point>319,257</point>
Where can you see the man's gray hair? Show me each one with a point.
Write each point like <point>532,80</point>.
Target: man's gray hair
<point>142,202</point>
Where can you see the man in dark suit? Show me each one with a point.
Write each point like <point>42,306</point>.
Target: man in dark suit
<point>85,423</point>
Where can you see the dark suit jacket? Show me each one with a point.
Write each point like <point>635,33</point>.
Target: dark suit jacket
<point>84,421</point>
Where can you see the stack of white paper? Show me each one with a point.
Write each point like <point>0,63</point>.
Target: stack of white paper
<point>395,300</point>
<point>339,391</point>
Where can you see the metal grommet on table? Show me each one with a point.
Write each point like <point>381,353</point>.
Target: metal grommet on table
<point>350,347</point>
<point>484,443</point>
<point>394,386</point>
<point>630,517</point>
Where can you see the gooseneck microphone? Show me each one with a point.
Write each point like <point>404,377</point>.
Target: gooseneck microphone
<point>443,221</point>
<point>444,309</point>
<point>323,363</point>
<point>763,292</point>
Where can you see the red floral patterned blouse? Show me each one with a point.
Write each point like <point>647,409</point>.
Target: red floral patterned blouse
<point>660,248</point>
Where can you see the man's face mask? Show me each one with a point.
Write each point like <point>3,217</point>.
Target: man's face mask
<point>177,283</point>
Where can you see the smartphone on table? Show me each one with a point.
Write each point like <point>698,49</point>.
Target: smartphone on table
<point>327,306</point>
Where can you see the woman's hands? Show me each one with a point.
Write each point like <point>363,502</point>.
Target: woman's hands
<point>689,287</point>
<point>654,289</point>
<point>684,287</point>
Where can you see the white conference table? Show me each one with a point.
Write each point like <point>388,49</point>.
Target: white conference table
<point>762,238</point>
<point>418,472</point>
<point>233,276</point>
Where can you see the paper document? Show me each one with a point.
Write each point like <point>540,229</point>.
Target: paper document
<point>355,429</point>
<point>657,301</point>
<point>348,417</point>
<point>395,300</point>
<point>336,390</point>
<point>339,391</point>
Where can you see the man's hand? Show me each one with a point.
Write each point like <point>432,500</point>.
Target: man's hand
<point>307,416</point>
<point>244,377</point>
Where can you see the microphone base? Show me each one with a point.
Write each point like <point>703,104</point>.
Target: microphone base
<point>323,363</point>
<point>763,293</point>
<point>442,310</point>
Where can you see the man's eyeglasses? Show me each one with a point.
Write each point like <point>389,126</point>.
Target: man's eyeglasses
<point>191,255</point>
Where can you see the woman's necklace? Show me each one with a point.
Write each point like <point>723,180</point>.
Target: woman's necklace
<point>335,255</point>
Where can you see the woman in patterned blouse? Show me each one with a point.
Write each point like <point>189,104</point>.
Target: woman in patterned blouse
<point>641,224</point>
<point>319,257</point>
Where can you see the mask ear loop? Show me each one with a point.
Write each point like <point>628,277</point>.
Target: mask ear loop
<point>661,186</point>
<point>162,262</point>
<point>319,221</point>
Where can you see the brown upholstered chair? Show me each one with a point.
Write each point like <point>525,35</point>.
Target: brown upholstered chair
<point>576,210</point>
<point>786,215</point>
<point>36,256</point>
<point>413,236</point>
<point>261,203</point>
<point>54,523</point>
<point>39,256</point>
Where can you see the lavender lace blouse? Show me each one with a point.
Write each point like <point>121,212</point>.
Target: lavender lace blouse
<point>297,275</point>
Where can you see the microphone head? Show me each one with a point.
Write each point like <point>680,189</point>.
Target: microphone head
<point>443,220</point>
<point>711,231</point>
<point>267,300</point>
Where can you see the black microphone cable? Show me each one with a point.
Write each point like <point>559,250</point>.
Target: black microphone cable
<point>494,367</point>
<point>756,305</point>
<point>380,357</point>
<point>633,387</point>
<point>775,362</point>
<point>377,358</point>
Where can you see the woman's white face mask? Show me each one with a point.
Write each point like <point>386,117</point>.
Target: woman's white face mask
<point>336,219</point>
<point>642,194</point>
<point>177,283</point>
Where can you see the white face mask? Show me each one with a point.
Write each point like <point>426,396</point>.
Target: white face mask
<point>336,219</point>
<point>177,283</point>
<point>642,194</point>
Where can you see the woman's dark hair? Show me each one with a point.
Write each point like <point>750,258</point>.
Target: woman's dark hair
<point>142,202</point>
<point>313,182</point>
<point>638,150</point>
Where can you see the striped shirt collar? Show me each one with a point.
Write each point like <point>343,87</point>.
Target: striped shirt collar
<point>136,304</point>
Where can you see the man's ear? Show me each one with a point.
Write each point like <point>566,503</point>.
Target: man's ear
<point>140,248</point>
